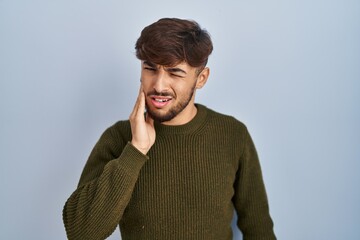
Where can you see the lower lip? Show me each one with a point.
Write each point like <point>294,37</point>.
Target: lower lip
<point>160,104</point>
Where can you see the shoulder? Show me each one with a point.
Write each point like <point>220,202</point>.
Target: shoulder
<point>121,125</point>
<point>120,131</point>
<point>225,121</point>
<point>231,132</point>
<point>226,127</point>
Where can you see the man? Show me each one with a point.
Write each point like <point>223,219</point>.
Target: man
<point>179,170</point>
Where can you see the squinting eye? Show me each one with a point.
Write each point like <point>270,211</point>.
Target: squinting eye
<point>177,75</point>
<point>150,69</point>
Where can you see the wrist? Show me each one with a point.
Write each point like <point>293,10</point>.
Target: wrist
<point>140,149</point>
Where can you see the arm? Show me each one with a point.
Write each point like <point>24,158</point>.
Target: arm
<point>94,210</point>
<point>250,198</point>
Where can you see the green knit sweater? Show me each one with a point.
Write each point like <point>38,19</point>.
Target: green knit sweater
<point>187,186</point>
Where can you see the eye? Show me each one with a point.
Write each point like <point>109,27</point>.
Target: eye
<point>175,75</point>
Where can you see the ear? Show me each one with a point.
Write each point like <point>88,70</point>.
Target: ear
<point>202,78</point>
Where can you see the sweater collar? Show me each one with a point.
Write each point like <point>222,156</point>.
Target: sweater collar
<point>197,122</point>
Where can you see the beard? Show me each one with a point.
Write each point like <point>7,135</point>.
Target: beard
<point>172,112</point>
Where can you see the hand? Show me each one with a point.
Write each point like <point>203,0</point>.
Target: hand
<point>142,128</point>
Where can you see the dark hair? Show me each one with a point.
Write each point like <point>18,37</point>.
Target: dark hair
<point>170,41</point>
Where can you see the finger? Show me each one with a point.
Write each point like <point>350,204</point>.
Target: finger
<point>141,106</point>
<point>141,98</point>
<point>137,103</point>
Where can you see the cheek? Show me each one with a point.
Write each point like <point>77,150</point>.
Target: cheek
<point>182,90</point>
<point>144,79</point>
<point>147,78</point>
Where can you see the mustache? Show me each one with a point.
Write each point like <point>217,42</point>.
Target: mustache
<point>163,94</point>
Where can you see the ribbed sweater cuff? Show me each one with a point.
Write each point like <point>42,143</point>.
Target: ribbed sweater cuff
<point>131,158</point>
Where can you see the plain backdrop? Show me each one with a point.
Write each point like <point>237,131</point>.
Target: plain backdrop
<point>288,69</point>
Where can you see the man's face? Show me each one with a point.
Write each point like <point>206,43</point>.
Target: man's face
<point>169,91</point>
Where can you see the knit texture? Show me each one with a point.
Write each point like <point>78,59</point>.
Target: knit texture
<point>187,186</point>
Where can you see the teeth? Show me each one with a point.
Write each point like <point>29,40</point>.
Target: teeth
<point>161,100</point>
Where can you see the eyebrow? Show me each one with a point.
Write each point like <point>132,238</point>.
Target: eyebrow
<point>169,69</point>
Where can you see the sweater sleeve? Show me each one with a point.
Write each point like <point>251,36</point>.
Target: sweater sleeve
<point>94,210</point>
<point>250,199</point>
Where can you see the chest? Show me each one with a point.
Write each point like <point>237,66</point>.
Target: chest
<point>193,172</point>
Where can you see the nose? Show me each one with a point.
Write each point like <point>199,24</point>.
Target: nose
<point>160,81</point>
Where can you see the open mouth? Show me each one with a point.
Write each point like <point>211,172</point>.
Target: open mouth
<point>160,101</point>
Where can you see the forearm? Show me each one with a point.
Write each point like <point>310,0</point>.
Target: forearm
<point>94,210</point>
<point>250,197</point>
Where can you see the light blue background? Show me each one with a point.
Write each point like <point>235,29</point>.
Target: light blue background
<point>289,69</point>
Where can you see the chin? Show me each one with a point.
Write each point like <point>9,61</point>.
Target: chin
<point>160,115</point>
